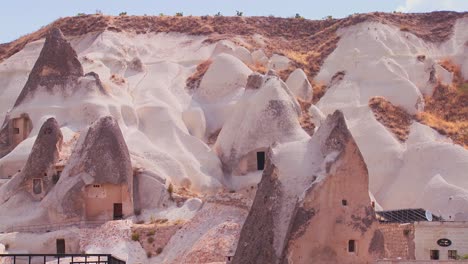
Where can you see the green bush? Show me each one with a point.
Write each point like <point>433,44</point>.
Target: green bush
<point>218,14</point>
<point>179,14</point>
<point>81,14</point>
<point>151,233</point>
<point>150,240</point>
<point>135,237</point>
<point>298,16</point>
<point>239,13</point>
<point>122,13</point>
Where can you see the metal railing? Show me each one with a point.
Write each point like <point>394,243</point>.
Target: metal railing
<point>59,258</point>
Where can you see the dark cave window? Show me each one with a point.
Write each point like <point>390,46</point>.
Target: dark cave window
<point>352,245</point>
<point>260,160</point>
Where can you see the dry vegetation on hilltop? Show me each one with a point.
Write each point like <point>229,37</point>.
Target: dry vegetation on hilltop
<point>306,42</point>
<point>447,109</point>
<point>305,119</point>
<point>194,81</point>
<point>155,235</point>
<point>397,120</point>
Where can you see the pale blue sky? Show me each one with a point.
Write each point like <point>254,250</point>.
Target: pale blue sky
<point>19,17</point>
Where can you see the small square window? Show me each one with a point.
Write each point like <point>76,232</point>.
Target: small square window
<point>434,254</point>
<point>16,130</point>
<point>352,246</point>
<point>452,254</point>
<point>344,202</point>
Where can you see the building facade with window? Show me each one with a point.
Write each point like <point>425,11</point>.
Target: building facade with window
<point>440,240</point>
<point>409,235</point>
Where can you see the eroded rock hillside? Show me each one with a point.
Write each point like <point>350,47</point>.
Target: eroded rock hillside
<point>188,127</point>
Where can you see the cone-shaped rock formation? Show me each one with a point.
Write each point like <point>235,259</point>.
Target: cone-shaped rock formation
<point>312,201</point>
<point>57,65</point>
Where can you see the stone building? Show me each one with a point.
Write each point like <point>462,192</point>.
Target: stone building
<point>38,176</point>
<point>97,181</point>
<point>13,132</point>
<point>418,235</point>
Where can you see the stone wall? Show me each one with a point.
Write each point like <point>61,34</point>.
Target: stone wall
<point>428,233</point>
<point>399,240</point>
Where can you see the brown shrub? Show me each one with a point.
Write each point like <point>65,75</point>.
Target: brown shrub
<point>319,90</point>
<point>117,79</point>
<point>193,82</point>
<point>392,117</point>
<point>447,112</point>
<point>257,67</point>
<point>306,119</point>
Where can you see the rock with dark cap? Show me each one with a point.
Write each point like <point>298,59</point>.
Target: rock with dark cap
<point>308,208</point>
<point>100,157</point>
<point>40,163</point>
<point>254,81</point>
<point>102,154</point>
<point>57,65</point>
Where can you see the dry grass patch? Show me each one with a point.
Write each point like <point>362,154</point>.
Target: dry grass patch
<point>193,82</point>
<point>154,237</point>
<point>394,118</point>
<point>319,90</point>
<point>258,67</point>
<point>457,131</point>
<point>306,119</point>
<point>446,110</point>
<point>117,79</point>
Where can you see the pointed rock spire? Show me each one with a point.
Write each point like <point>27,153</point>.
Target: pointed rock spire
<point>57,64</point>
<point>103,154</point>
<point>40,163</point>
<point>100,157</point>
<point>311,203</point>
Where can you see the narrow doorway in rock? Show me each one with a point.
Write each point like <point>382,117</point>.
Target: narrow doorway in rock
<point>260,160</point>
<point>118,213</point>
<point>60,246</point>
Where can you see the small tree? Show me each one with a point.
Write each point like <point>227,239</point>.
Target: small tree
<point>135,237</point>
<point>98,12</point>
<point>161,14</point>
<point>239,13</point>
<point>122,13</point>
<point>218,14</point>
<point>179,14</point>
<point>298,16</point>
